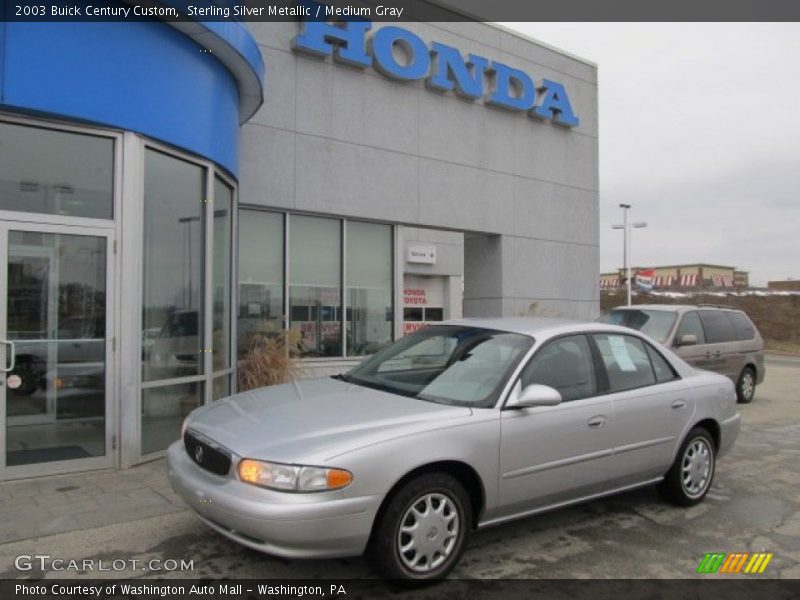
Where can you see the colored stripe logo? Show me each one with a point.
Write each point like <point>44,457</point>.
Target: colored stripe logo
<point>734,563</point>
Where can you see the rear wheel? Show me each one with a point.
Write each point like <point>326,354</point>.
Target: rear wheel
<point>423,531</point>
<point>689,479</point>
<point>746,386</point>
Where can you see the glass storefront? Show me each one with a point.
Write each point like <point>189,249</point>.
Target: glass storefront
<point>315,300</point>
<point>186,293</point>
<point>55,297</point>
<point>261,281</point>
<point>328,279</point>
<point>56,172</point>
<point>320,266</point>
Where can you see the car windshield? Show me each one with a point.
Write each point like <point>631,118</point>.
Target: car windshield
<point>447,364</point>
<point>655,323</point>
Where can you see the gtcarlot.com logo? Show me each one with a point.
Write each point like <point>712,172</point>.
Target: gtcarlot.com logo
<point>46,562</point>
<point>735,562</point>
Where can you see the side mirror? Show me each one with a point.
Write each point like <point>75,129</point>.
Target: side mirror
<point>687,339</point>
<point>535,395</point>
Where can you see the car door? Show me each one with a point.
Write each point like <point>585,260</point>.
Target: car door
<point>651,405</point>
<point>720,343</point>
<point>690,324</point>
<point>549,454</point>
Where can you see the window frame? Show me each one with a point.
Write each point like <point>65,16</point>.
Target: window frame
<point>344,306</point>
<point>208,376</point>
<point>601,364</point>
<point>593,362</point>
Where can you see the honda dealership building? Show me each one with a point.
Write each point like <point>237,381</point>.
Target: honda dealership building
<point>171,191</point>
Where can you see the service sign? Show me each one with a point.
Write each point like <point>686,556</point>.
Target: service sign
<point>425,255</point>
<point>401,54</point>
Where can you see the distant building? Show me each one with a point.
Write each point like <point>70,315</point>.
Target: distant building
<point>786,285</point>
<point>688,276</point>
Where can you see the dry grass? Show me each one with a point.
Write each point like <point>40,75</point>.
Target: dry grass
<point>777,317</point>
<point>271,359</point>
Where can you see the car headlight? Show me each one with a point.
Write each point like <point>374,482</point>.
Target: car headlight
<point>292,478</point>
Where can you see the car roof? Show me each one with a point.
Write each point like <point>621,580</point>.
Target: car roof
<point>535,326</point>
<point>677,307</point>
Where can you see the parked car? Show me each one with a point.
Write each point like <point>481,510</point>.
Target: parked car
<point>456,427</point>
<point>716,338</point>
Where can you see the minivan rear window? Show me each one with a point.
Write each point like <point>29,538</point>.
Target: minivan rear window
<point>719,328</point>
<point>655,323</point>
<point>742,326</point>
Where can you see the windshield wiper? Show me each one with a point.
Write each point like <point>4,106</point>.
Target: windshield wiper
<point>341,377</point>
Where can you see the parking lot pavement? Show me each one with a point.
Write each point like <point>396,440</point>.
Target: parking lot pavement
<point>753,506</point>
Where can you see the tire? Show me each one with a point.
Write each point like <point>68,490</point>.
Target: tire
<point>436,504</point>
<point>746,386</point>
<point>688,480</point>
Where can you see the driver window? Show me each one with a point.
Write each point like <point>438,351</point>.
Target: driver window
<point>564,364</point>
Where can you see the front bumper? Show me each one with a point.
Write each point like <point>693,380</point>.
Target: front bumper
<point>318,525</point>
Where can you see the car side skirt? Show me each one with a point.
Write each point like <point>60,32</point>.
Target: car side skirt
<point>557,505</point>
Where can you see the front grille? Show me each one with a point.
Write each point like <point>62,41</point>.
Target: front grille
<point>207,455</point>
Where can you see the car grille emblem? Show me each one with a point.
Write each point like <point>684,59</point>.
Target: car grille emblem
<point>198,454</point>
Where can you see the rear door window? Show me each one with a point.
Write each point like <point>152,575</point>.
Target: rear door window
<point>718,327</point>
<point>742,326</point>
<point>691,325</point>
<point>626,361</point>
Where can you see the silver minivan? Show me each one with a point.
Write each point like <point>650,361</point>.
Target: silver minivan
<point>711,337</point>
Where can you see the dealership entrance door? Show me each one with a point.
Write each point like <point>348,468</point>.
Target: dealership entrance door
<point>55,348</point>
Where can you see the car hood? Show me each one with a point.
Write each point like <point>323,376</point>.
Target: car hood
<point>313,420</point>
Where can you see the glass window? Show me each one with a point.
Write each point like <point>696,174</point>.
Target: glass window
<point>261,255</point>
<point>662,369</point>
<point>691,325</point>
<point>173,267</point>
<point>434,314</point>
<point>742,326</point>
<point>564,364</point>
<point>466,366</point>
<point>717,326</point>
<point>315,280</point>
<point>655,323</point>
<point>627,363</point>
<point>369,287</point>
<point>221,387</point>
<point>412,313</point>
<point>221,270</point>
<point>163,411</point>
<point>56,299</point>
<point>56,172</point>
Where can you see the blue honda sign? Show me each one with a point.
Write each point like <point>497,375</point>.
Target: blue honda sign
<point>442,67</point>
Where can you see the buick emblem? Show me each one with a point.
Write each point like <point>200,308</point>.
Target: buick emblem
<point>198,454</point>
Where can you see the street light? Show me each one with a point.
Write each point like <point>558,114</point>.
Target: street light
<point>626,242</point>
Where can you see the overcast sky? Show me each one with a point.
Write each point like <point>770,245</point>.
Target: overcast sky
<point>700,132</point>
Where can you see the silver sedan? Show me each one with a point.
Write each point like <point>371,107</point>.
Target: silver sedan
<point>457,427</point>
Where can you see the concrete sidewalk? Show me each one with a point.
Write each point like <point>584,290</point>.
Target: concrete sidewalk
<point>33,508</point>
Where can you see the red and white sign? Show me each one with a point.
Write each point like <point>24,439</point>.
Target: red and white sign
<point>412,326</point>
<point>415,297</point>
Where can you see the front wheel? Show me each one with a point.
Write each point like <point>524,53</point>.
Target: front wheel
<point>746,386</point>
<point>689,479</point>
<point>423,531</point>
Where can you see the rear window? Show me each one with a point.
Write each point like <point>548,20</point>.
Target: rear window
<point>742,326</point>
<point>718,327</point>
<point>655,323</point>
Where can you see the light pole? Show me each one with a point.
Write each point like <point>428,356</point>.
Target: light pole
<point>626,242</point>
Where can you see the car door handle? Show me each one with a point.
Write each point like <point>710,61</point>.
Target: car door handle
<point>596,422</point>
<point>678,404</point>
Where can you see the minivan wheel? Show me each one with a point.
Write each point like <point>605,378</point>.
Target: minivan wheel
<point>746,386</point>
<point>423,531</point>
<point>689,479</point>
